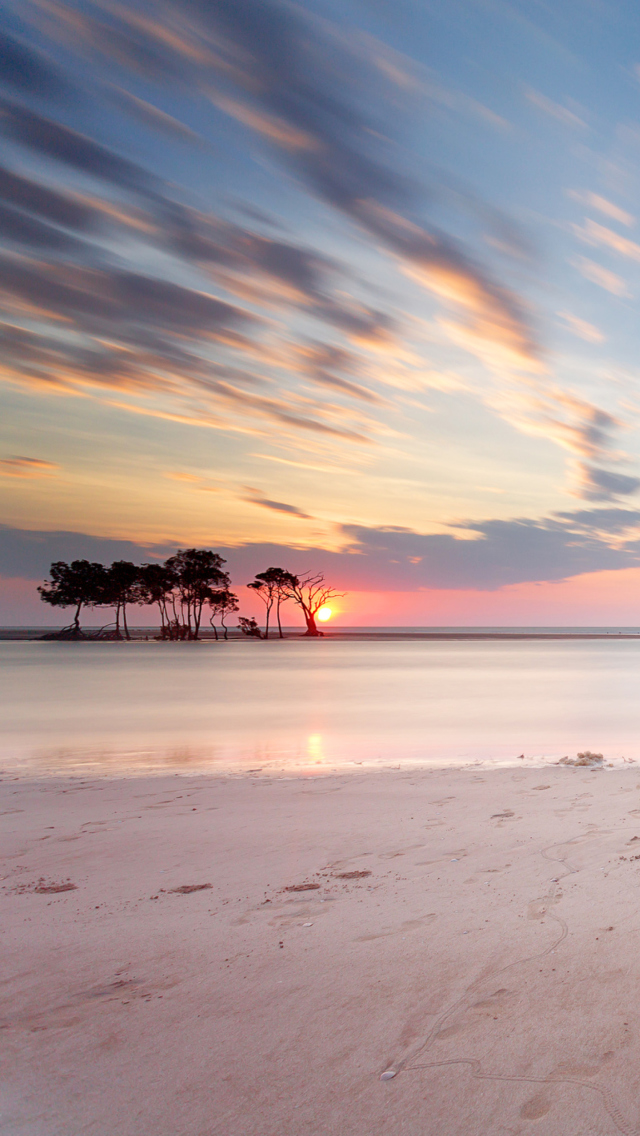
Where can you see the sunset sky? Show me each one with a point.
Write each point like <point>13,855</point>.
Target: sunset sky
<point>343,286</point>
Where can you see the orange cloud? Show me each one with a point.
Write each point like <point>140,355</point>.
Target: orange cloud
<point>26,467</point>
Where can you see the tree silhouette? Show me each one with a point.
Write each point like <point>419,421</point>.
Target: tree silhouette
<point>79,584</point>
<point>197,572</point>
<point>156,584</point>
<point>122,586</point>
<point>272,587</point>
<point>222,603</point>
<point>180,587</point>
<point>310,593</point>
<point>249,627</point>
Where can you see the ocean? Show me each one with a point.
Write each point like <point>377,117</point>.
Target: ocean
<point>299,706</point>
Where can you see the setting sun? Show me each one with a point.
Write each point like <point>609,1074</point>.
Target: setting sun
<point>324,614</point>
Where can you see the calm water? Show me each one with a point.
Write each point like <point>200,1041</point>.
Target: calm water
<point>292,705</point>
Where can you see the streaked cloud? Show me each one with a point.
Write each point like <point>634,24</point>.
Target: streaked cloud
<point>582,328</point>
<point>22,467</point>
<point>486,555</point>
<point>155,118</point>
<point>603,484</point>
<point>595,234</point>
<point>555,110</point>
<point>603,277</point>
<point>256,498</point>
<point>595,201</point>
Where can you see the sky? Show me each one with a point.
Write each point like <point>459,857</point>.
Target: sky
<point>348,287</point>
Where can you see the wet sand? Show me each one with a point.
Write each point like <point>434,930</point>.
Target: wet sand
<point>475,933</point>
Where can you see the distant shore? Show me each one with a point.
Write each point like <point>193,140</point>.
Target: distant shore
<point>354,634</point>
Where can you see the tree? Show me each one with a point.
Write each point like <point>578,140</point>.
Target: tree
<point>123,586</point>
<point>79,584</point>
<point>156,584</point>
<point>249,627</point>
<point>310,593</point>
<point>197,572</point>
<point>222,603</point>
<point>272,587</point>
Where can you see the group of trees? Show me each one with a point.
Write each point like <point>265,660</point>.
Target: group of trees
<point>184,587</point>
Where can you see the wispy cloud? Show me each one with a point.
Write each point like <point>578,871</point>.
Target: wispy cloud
<point>582,328</point>
<point>603,277</point>
<point>22,467</point>
<point>555,110</point>
<point>256,498</point>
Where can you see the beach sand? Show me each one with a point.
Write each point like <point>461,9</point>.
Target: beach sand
<point>488,954</point>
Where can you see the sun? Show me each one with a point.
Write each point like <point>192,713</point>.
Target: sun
<point>324,614</point>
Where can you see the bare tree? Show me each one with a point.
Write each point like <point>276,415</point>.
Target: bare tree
<point>310,593</point>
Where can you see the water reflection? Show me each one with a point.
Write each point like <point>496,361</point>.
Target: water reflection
<point>286,707</point>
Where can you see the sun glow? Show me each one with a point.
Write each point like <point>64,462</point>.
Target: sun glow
<point>324,614</point>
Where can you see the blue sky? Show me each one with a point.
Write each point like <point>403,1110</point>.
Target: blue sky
<point>344,278</point>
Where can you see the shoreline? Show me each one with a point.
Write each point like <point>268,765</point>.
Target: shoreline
<point>249,955</point>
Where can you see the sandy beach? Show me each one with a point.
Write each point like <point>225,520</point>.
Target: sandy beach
<point>472,932</point>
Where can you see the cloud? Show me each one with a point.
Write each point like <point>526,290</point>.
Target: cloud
<point>29,553</point>
<point>603,277</point>
<point>612,521</point>
<point>155,118</point>
<point>22,230</point>
<point>53,204</point>
<point>608,208</point>
<point>278,70</point>
<point>603,485</point>
<point>277,506</point>
<point>321,362</point>
<point>67,146</point>
<point>555,110</point>
<point>130,42</point>
<point>29,72</point>
<point>99,297</point>
<point>503,553</point>
<point>582,329</point>
<point>577,425</point>
<point>595,234</point>
<point>328,103</point>
<point>273,272</point>
<point>26,467</point>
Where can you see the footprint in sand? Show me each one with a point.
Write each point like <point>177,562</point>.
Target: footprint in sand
<point>399,852</point>
<point>536,1107</point>
<point>408,925</point>
<point>538,908</point>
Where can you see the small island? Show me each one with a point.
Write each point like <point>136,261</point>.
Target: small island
<point>186,588</point>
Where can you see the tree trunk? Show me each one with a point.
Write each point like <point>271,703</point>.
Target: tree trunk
<point>76,619</point>
<point>279,623</point>
<point>124,620</point>
<point>224,625</point>
<point>311,625</point>
<point>266,629</point>
<point>118,620</point>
